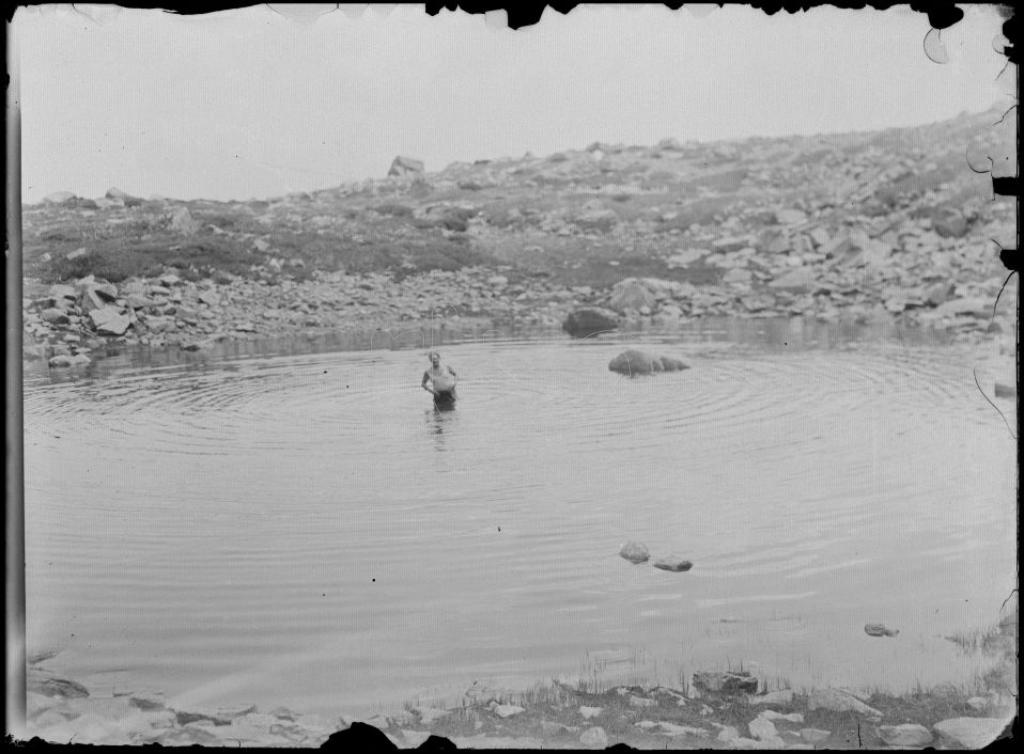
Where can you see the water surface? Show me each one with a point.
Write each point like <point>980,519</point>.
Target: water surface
<point>304,529</point>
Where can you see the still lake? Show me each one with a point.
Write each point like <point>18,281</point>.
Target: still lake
<point>301,528</point>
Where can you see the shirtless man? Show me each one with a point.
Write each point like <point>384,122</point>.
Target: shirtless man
<point>442,382</point>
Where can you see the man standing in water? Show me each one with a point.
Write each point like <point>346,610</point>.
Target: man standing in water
<point>442,382</point>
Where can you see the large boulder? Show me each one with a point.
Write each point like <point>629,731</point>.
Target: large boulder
<point>631,294</point>
<point>116,195</point>
<point>109,321</point>
<point>590,320</point>
<point>633,362</point>
<point>181,221</point>
<point>970,732</point>
<point>402,167</point>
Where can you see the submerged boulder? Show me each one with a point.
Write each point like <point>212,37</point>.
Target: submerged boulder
<point>588,321</point>
<point>633,362</point>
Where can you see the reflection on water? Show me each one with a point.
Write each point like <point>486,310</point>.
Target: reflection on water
<point>440,421</point>
<point>286,529</point>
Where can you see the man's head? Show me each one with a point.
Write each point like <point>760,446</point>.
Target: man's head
<point>435,358</point>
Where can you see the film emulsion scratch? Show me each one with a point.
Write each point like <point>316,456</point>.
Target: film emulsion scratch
<point>639,376</point>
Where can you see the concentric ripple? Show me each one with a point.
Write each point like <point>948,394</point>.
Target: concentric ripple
<point>303,529</point>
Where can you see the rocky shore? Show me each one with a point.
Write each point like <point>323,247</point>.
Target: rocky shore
<point>710,709</point>
<point>716,712</point>
<point>890,224</point>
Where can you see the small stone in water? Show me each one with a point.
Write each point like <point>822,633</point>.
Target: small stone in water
<point>877,629</point>
<point>634,552</point>
<point>673,563</point>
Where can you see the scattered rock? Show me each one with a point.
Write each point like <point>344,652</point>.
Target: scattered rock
<point>792,717</point>
<point>59,197</point>
<point>728,733</point>
<point>839,701</point>
<point>631,294</point>
<point>552,729</point>
<point>430,715</point>
<point>672,563</point>
<point>877,629</point>
<point>633,362</point>
<point>507,710</point>
<point>782,697</point>
<point>725,682</point>
<point>634,552</point>
<point>54,316</point>
<point>109,321</point>
<point>590,713</point>
<point>763,729</point>
<point>799,280</point>
<point>909,734</point>
<point>970,732</point>
<point>790,217</point>
<point>594,738</point>
<point>639,701</point>
<point>402,167</point>
<point>950,223</point>
<point>815,735</point>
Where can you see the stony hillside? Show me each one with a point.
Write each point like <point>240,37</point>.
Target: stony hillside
<point>808,225</point>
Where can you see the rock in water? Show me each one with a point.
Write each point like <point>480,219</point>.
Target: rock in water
<point>877,629</point>
<point>673,563</point>
<point>634,552</point>
<point>1005,391</point>
<point>634,362</point>
<point>589,321</point>
<point>909,734</point>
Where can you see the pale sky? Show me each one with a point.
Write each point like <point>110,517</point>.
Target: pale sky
<point>253,104</point>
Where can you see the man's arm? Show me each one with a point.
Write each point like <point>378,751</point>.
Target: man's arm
<point>452,371</point>
<point>426,379</point>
